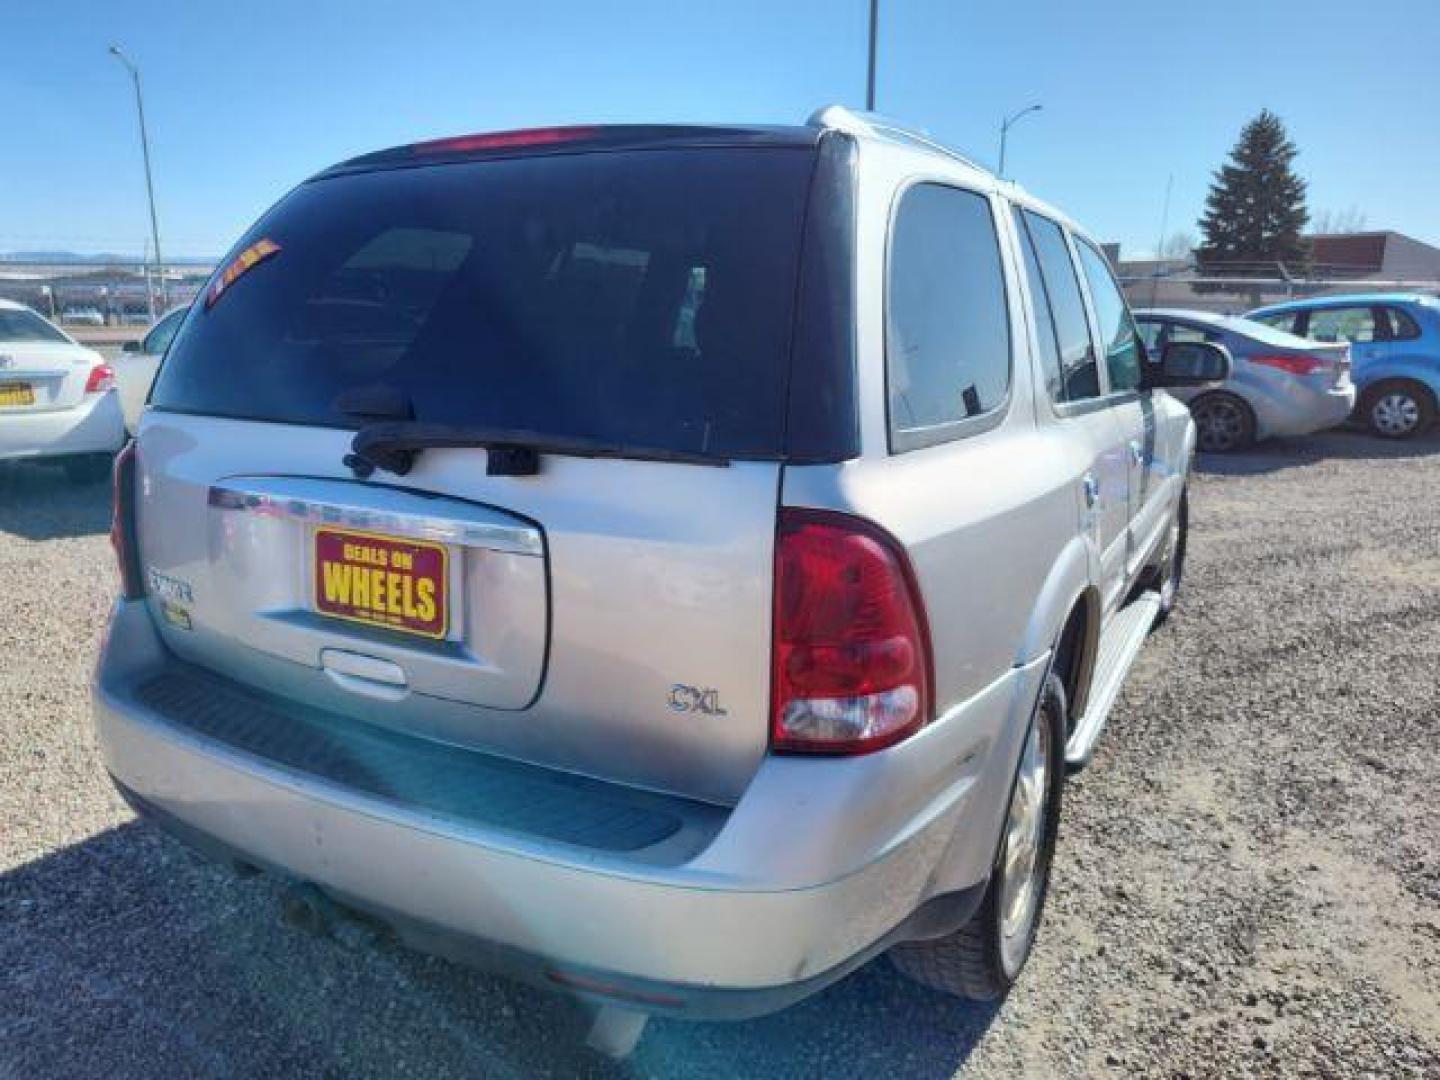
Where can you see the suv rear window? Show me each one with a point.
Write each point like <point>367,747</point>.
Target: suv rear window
<point>640,298</point>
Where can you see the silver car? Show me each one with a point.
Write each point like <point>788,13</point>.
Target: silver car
<point>673,565</point>
<point>1280,385</point>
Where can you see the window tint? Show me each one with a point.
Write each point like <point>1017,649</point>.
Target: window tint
<point>1283,320</point>
<point>948,330</point>
<point>1117,326</point>
<point>1080,376</point>
<point>21,324</point>
<point>1342,324</point>
<point>158,340</point>
<point>1040,305</point>
<point>639,299</point>
<point>1399,324</point>
<point>1181,332</point>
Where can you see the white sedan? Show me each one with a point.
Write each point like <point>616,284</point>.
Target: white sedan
<point>135,369</point>
<point>57,398</point>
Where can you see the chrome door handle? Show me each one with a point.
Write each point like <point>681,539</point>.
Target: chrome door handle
<point>1091,487</point>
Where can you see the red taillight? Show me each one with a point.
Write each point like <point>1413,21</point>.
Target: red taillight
<point>1295,364</point>
<point>851,657</point>
<point>102,378</point>
<point>122,523</point>
<point>502,140</point>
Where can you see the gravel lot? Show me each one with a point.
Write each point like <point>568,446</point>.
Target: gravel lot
<point>1248,881</point>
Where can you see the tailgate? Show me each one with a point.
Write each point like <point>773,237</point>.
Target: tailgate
<point>606,617</point>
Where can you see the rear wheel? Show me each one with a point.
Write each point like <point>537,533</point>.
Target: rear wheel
<point>87,469</point>
<point>982,960</point>
<point>1398,409</point>
<point>1223,423</point>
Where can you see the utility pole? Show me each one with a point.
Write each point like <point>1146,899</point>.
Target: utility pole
<point>149,183</point>
<point>870,77</point>
<point>1005,127</point>
<point>1160,247</point>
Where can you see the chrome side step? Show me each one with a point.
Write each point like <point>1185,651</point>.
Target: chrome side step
<point>1119,645</point>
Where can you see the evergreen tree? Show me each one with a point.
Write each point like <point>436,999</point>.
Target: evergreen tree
<point>1255,211</point>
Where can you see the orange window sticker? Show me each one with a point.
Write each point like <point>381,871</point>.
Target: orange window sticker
<point>252,256</point>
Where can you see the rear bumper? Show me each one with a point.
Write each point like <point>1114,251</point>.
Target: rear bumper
<point>95,426</point>
<point>820,866</point>
<point>1298,409</point>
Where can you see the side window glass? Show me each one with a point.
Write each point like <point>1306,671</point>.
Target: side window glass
<point>1355,324</point>
<point>1079,374</point>
<point>1400,325</point>
<point>1117,326</point>
<point>1181,332</point>
<point>947,340</point>
<point>158,340</point>
<point>1284,320</point>
<point>1044,318</point>
<point>1151,334</point>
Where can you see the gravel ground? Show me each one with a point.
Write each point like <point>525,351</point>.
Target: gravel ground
<point>1248,881</point>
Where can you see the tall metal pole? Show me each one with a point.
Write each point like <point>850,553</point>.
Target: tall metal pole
<point>1160,247</point>
<point>1005,126</point>
<point>149,182</point>
<point>870,77</point>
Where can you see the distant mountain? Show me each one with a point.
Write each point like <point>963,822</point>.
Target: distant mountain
<point>107,258</point>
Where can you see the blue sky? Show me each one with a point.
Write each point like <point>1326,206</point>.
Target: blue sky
<point>248,97</point>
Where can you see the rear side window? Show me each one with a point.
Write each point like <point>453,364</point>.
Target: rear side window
<point>1117,326</point>
<point>1282,320</point>
<point>1343,324</point>
<point>637,298</point>
<point>947,328</point>
<point>18,324</point>
<point>1182,332</point>
<point>1045,331</point>
<point>159,338</point>
<point>1398,324</point>
<point>1079,373</point>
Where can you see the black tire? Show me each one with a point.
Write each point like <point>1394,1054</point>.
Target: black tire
<point>1168,571</point>
<point>1398,409</point>
<point>87,469</point>
<point>972,961</point>
<point>1224,423</point>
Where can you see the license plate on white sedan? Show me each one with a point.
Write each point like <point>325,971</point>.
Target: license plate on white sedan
<point>16,395</point>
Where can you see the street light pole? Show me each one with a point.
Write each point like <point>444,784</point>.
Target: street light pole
<point>149,183</point>
<point>1005,127</point>
<point>870,77</point>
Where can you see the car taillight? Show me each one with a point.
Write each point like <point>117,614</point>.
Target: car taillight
<point>1292,363</point>
<point>102,378</point>
<point>502,140</point>
<point>851,654</point>
<point>122,523</point>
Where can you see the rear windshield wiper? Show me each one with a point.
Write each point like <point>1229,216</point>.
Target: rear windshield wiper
<point>393,446</point>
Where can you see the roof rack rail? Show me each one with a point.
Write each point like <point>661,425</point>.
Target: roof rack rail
<point>858,121</point>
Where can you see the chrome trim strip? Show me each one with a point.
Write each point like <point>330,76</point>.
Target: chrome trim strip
<point>400,513</point>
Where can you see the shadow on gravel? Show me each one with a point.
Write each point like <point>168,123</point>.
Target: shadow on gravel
<point>1276,455</point>
<point>38,502</point>
<point>127,956</point>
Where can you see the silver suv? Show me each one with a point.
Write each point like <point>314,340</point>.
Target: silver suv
<point>671,564</point>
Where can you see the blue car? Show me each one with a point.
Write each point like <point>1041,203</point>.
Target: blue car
<point>1394,349</point>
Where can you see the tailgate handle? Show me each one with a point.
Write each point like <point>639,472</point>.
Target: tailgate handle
<point>364,674</point>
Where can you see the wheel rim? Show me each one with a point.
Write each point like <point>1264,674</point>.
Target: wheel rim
<point>1221,424</point>
<point>1023,869</point>
<point>1395,413</point>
